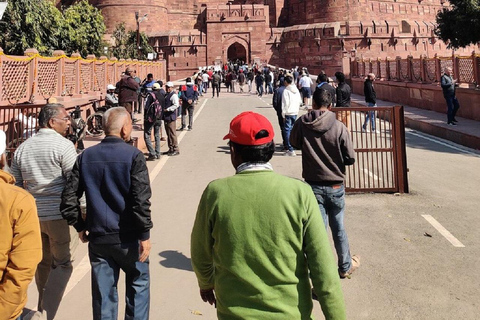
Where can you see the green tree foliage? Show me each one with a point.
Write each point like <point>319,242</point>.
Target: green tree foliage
<point>39,24</point>
<point>31,24</point>
<point>84,28</point>
<point>126,44</point>
<point>460,24</point>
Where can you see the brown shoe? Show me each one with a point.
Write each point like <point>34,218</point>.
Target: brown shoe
<point>355,265</point>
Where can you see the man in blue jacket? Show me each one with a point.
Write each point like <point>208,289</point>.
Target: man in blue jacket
<point>114,177</point>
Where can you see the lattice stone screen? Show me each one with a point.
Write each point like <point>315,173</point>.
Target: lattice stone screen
<point>416,70</point>
<point>430,70</point>
<point>465,70</point>
<point>48,77</point>
<point>15,79</point>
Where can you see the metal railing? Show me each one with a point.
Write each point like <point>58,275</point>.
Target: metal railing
<point>380,152</point>
<point>425,70</point>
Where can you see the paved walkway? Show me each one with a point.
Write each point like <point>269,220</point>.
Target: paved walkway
<point>466,133</point>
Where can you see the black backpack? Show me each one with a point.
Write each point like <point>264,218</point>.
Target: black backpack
<point>154,110</point>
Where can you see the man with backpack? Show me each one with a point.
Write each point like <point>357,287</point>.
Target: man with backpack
<point>153,119</point>
<point>189,96</point>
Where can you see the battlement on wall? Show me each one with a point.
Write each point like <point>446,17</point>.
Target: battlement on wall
<point>237,13</point>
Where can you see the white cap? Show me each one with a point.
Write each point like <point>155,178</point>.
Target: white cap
<point>111,87</point>
<point>169,84</point>
<point>3,142</point>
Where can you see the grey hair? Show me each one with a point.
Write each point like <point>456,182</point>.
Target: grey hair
<point>48,112</point>
<point>113,120</point>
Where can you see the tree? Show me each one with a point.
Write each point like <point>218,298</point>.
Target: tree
<point>31,24</point>
<point>126,44</point>
<point>459,25</point>
<point>39,24</point>
<point>84,29</point>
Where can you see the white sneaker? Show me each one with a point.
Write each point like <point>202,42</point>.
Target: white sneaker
<point>290,154</point>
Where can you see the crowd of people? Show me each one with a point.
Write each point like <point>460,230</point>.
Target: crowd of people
<point>256,256</point>
<point>70,195</point>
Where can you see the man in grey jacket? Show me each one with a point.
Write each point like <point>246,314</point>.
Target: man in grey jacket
<point>326,150</point>
<point>448,86</point>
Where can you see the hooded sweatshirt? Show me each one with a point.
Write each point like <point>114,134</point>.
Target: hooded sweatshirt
<point>291,101</point>
<point>326,147</point>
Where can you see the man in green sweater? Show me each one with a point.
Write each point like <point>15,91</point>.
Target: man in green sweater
<point>258,235</point>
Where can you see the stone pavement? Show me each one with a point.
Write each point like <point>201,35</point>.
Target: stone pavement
<point>466,133</point>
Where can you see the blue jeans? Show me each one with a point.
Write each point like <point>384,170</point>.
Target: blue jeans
<point>370,116</point>
<point>260,89</point>
<point>453,106</point>
<point>106,261</point>
<point>289,121</point>
<point>331,201</point>
<point>147,133</point>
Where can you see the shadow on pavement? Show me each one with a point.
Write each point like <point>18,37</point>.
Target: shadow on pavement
<point>176,260</point>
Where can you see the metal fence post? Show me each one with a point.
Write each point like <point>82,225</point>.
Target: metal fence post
<point>400,150</point>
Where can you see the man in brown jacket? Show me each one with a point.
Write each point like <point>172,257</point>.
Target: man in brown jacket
<point>127,89</point>
<point>20,242</point>
<point>326,149</point>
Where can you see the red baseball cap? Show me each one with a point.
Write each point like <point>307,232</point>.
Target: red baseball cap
<point>245,126</point>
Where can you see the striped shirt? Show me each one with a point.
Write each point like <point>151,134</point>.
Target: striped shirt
<point>41,165</point>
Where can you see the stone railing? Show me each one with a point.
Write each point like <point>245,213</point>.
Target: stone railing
<point>466,69</point>
<point>32,79</point>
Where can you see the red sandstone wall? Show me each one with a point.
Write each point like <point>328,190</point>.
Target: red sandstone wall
<point>116,11</point>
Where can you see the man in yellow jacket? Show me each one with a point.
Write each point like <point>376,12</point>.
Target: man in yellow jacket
<point>20,242</point>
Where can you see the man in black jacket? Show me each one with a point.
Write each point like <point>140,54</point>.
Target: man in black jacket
<point>343,92</point>
<point>153,119</point>
<point>322,84</point>
<point>114,177</point>
<point>370,99</point>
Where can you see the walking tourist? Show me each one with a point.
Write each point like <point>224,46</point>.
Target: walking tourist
<point>189,96</point>
<point>277,105</point>
<point>41,165</point>
<point>371,100</point>
<point>322,84</point>
<point>20,241</point>
<point>153,114</point>
<point>113,175</point>
<point>169,118</point>
<point>216,81</point>
<point>448,86</point>
<point>259,80</point>
<point>127,91</point>
<point>291,101</point>
<point>326,150</point>
<point>245,227</point>
<point>305,84</point>
<point>343,93</point>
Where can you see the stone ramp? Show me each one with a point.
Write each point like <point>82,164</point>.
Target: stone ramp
<point>466,133</point>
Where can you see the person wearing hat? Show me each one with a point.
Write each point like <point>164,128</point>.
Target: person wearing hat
<point>170,117</point>
<point>111,99</point>
<point>153,119</point>
<point>20,243</point>
<point>189,96</point>
<point>258,237</point>
<point>127,89</point>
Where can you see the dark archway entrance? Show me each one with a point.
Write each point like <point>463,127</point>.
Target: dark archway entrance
<point>237,51</point>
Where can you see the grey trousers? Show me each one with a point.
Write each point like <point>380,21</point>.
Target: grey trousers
<point>55,269</point>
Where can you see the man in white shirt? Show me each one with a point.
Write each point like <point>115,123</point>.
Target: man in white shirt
<point>291,101</point>
<point>305,85</point>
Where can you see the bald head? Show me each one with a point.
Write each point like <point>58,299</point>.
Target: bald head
<point>115,120</point>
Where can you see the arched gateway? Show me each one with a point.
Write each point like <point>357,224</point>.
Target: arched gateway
<point>236,51</point>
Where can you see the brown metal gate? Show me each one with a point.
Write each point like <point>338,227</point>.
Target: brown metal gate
<point>381,162</point>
